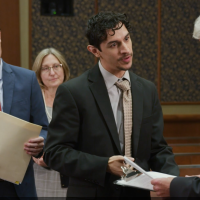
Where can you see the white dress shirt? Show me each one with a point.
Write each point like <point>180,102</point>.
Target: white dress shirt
<point>116,101</point>
<point>1,84</point>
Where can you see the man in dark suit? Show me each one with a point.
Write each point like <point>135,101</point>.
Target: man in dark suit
<point>86,137</point>
<point>177,187</point>
<point>20,96</point>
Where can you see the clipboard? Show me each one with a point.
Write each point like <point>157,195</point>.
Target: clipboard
<point>140,180</point>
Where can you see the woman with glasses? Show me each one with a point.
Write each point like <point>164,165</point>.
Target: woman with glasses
<point>51,70</point>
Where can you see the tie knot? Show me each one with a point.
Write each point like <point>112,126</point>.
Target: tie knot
<point>123,85</point>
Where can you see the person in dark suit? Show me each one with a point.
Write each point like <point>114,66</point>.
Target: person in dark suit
<point>86,137</point>
<point>188,186</point>
<point>20,96</point>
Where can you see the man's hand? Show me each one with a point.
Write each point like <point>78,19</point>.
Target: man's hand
<point>115,163</point>
<point>162,186</point>
<point>34,146</point>
<point>40,161</point>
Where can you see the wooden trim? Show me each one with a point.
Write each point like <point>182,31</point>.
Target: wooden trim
<point>179,117</point>
<point>181,103</point>
<point>96,7</point>
<point>30,34</point>
<point>159,51</point>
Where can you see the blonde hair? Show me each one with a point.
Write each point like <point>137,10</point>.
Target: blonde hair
<point>38,63</point>
<point>196,32</point>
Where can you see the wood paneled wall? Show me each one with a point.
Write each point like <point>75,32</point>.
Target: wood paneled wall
<point>181,126</point>
<point>10,28</point>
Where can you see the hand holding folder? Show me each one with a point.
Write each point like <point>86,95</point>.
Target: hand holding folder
<point>34,146</point>
<point>14,133</point>
<point>142,180</point>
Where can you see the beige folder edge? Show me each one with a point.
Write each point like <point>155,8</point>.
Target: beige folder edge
<point>14,132</point>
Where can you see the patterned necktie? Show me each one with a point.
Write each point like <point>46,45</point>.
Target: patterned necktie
<point>127,109</point>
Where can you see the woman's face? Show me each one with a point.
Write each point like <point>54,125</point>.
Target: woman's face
<point>52,73</point>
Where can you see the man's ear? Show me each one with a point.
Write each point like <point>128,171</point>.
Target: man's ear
<point>93,50</point>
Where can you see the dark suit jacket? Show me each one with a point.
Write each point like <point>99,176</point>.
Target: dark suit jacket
<point>83,134</point>
<point>185,187</point>
<point>22,98</point>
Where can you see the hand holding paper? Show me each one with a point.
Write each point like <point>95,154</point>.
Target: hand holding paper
<point>115,163</point>
<point>161,186</point>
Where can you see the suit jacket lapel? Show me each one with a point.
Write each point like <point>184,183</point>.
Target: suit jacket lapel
<point>8,87</point>
<point>137,100</point>
<point>100,94</point>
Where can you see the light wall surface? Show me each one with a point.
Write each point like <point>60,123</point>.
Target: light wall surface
<point>181,109</point>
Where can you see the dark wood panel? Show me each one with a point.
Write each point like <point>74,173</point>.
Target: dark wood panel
<point>187,159</point>
<point>181,125</point>
<point>181,118</point>
<point>189,171</point>
<point>182,140</point>
<point>9,24</point>
<point>185,149</point>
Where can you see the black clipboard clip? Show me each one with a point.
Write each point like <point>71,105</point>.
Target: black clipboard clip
<point>129,173</point>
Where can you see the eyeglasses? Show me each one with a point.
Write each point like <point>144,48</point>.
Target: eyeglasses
<point>55,68</point>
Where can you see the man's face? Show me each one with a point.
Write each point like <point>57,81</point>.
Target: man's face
<point>116,52</point>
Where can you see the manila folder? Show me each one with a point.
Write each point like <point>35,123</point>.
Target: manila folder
<point>14,132</point>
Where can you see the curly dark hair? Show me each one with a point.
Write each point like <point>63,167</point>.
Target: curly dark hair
<point>100,23</point>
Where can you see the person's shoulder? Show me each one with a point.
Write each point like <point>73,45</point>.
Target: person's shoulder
<point>21,70</point>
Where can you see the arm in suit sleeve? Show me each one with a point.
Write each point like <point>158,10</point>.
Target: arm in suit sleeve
<point>162,157</point>
<point>63,142</point>
<point>37,112</point>
<point>185,187</point>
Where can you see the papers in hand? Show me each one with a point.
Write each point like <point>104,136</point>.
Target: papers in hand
<point>142,180</point>
<point>14,161</point>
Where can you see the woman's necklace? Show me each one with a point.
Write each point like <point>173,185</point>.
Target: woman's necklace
<point>49,116</point>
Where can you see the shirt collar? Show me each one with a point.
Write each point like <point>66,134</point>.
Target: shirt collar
<point>1,64</point>
<point>109,78</point>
